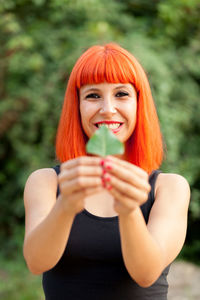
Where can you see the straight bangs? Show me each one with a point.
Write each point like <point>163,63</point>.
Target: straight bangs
<point>104,65</point>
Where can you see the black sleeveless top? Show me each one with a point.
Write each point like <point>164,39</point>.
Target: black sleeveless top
<point>92,267</point>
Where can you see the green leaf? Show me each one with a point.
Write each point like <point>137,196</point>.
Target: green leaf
<point>104,142</point>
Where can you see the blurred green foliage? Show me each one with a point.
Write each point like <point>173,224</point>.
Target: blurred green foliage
<point>17,283</point>
<point>40,41</point>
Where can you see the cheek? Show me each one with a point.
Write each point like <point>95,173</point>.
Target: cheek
<point>131,117</point>
<point>131,112</point>
<point>87,111</point>
<point>83,115</point>
<point>83,112</point>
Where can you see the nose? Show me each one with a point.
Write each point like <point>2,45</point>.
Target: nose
<point>108,107</point>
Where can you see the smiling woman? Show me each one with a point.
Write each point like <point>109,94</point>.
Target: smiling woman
<point>111,64</point>
<point>106,228</point>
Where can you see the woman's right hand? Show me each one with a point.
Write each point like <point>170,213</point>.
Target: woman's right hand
<point>79,178</point>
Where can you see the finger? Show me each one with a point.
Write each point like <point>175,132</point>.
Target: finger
<point>76,199</point>
<point>86,192</point>
<point>80,170</point>
<point>82,160</point>
<point>122,199</point>
<point>127,165</point>
<point>127,176</point>
<point>79,183</point>
<point>126,189</point>
<point>92,190</point>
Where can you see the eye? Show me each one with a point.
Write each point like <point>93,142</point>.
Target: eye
<point>93,95</point>
<point>121,94</point>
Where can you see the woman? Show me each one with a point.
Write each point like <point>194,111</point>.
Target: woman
<point>114,225</point>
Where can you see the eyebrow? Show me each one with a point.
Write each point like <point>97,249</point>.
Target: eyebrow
<point>91,90</point>
<point>121,86</point>
<point>97,90</point>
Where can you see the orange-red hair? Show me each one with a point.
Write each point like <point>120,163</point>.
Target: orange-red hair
<point>113,64</point>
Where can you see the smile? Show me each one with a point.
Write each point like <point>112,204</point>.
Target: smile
<point>114,126</point>
<point>110,126</point>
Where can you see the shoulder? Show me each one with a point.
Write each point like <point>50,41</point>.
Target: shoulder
<point>41,178</point>
<point>173,186</point>
<point>39,196</point>
<point>171,180</point>
<point>45,173</point>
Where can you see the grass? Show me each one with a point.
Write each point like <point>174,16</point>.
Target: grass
<point>17,283</point>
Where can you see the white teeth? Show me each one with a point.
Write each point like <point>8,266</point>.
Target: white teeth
<point>110,126</point>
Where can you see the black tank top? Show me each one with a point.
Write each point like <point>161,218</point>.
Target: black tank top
<point>92,267</point>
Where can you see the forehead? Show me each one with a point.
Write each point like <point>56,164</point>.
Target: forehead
<point>106,86</point>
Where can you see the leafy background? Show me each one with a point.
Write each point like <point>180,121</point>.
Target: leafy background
<point>40,41</point>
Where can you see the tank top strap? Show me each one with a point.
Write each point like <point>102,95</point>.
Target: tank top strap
<point>57,169</point>
<point>146,207</point>
<point>152,181</point>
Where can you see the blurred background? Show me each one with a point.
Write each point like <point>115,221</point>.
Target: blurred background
<point>40,41</point>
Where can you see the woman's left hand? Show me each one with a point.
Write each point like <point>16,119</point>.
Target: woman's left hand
<point>128,184</point>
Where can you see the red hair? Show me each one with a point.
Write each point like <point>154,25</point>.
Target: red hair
<point>113,64</point>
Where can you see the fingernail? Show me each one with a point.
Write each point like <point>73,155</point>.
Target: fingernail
<point>108,166</point>
<point>107,178</point>
<point>103,182</point>
<point>102,162</point>
<point>104,171</point>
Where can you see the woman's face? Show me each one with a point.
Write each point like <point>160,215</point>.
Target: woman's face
<point>112,104</point>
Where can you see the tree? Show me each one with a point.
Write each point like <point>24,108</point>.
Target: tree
<point>40,41</point>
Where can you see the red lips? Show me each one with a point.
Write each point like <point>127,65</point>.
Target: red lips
<point>108,122</point>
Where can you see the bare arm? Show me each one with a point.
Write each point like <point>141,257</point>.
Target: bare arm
<point>147,250</point>
<point>47,224</point>
<point>49,221</point>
